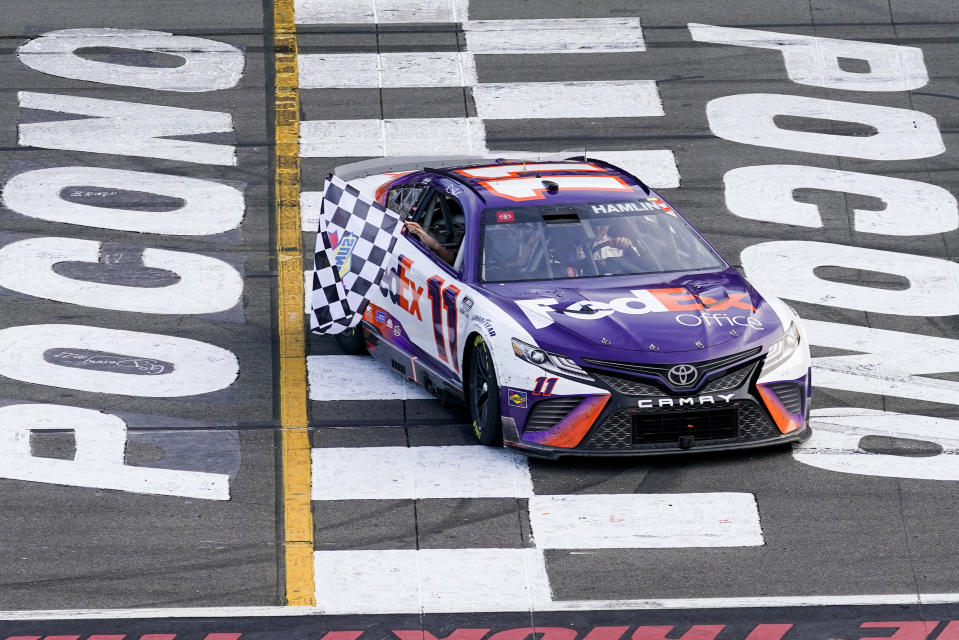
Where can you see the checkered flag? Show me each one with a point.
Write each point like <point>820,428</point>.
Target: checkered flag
<point>355,236</point>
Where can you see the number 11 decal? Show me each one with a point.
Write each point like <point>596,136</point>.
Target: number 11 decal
<point>440,298</point>
<point>544,386</point>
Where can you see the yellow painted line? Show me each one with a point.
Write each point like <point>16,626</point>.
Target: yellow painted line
<point>295,445</point>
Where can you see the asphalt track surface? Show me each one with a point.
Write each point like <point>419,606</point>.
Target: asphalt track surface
<point>825,533</point>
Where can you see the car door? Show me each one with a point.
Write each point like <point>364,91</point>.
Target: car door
<point>436,332</point>
<point>395,309</point>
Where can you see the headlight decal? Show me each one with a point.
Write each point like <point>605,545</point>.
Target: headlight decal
<point>552,362</point>
<point>782,349</point>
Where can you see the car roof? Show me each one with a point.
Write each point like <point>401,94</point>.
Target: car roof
<point>471,176</point>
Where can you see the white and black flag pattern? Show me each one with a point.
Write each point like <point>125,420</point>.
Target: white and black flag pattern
<point>354,239</point>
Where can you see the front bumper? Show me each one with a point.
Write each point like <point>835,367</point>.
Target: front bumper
<point>754,416</point>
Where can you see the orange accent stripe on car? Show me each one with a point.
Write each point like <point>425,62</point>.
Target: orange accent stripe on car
<point>573,428</point>
<point>785,421</point>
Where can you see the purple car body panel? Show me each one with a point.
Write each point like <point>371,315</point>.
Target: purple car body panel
<point>658,334</point>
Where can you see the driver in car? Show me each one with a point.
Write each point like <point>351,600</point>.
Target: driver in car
<point>609,246</point>
<point>431,243</point>
<point>617,247</point>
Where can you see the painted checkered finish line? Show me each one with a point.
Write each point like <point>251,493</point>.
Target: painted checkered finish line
<point>165,245</point>
<point>630,85</point>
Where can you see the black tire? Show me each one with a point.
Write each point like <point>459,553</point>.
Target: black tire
<point>483,396</point>
<point>351,341</point>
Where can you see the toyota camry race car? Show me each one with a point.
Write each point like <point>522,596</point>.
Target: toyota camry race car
<point>575,311</point>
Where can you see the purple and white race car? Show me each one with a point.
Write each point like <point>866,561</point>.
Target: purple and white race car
<point>576,312</point>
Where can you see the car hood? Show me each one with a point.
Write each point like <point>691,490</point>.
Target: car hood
<point>689,312</point>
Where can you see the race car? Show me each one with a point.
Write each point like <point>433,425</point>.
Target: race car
<point>576,312</point>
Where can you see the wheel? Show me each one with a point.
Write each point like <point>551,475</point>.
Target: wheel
<point>483,396</point>
<point>351,341</point>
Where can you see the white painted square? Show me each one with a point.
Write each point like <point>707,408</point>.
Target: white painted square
<point>645,521</point>
<point>338,70</point>
<point>345,377</point>
<point>555,35</point>
<point>379,11</point>
<point>420,136</point>
<point>428,69</point>
<point>336,138</point>
<point>397,11</point>
<point>592,99</point>
<point>311,202</point>
<point>430,581</point>
<point>371,70</point>
<point>396,137</point>
<point>657,168</point>
<point>333,11</point>
<point>382,473</point>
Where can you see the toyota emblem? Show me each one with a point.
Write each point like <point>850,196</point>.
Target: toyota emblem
<point>683,375</point>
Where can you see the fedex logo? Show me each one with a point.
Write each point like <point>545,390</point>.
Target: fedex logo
<point>401,289</point>
<point>641,301</point>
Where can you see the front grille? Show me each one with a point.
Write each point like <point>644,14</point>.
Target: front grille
<point>616,432</point>
<point>717,424</point>
<point>790,394</point>
<point>661,370</point>
<point>732,380</point>
<point>628,386</point>
<point>631,386</point>
<point>753,423</point>
<point>546,414</point>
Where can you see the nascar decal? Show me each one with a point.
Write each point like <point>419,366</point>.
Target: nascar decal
<point>644,301</point>
<point>516,398</point>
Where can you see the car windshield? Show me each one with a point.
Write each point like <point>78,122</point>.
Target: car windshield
<point>589,239</point>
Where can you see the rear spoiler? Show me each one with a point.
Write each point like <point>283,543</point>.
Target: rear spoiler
<point>392,164</point>
<point>404,163</point>
<point>584,158</point>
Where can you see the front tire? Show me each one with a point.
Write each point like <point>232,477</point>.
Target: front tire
<point>483,396</point>
<point>351,341</point>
